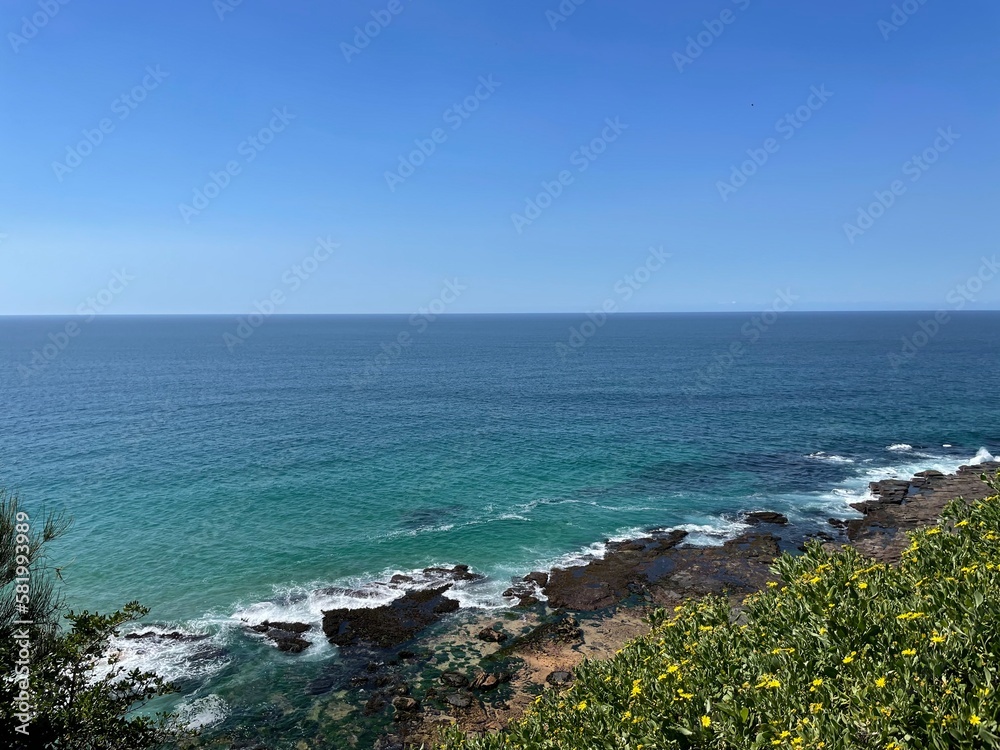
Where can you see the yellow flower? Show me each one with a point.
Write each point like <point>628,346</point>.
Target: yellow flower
<point>636,690</point>
<point>581,705</point>
<point>937,638</point>
<point>909,652</point>
<point>848,659</point>
<point>672,668</point>
<point>880,682</point>
<point>932,532</point>
<point>862,585</point>
<point>975,720</point>
<point>815,707</point>
<point>706,721</point>
<point>817,682</point>
<point>772,584</point>
<point>963,523</point>
<point>773,684</point>
<point>685,696</point>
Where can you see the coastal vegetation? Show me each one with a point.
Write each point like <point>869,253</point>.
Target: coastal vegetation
<point>58,689</point>
<point>843,653</point>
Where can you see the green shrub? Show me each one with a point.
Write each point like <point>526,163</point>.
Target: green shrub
<point>844,654</point>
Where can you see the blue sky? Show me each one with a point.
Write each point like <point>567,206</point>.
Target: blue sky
<point>72,215</point>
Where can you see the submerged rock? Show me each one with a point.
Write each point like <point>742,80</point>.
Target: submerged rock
<point>390,624</point>
<point>766,516</point>
<point>491,635</point>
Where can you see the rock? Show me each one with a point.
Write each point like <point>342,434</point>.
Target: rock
<point>389,742</point>
<point>173,636</point>
<point>399,578</point>
<point>321,685</point>
<point>404,704</point>
<point>291,627</point>
<point>390,624</point>
<point>559,677</point>
<point>929,473</point>
<point>458,700</point>
<point>401,688</point>
<point>453,679</point>
<point>491,635</point>
<point>765,516</point>
<point>458,573</point>
<point>538,578</point>
<point>527,601</point>
<point>289,642</point>
<point>486,681</point>
<point>374,704</point>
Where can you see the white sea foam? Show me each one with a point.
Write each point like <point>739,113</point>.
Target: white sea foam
<point>199,713</point>
<point>899,447</point>
<point>171,659</point>
<point>982,456</point>
<point>831,458</point>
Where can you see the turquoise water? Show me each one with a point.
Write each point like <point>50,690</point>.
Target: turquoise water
<point>223,486</point>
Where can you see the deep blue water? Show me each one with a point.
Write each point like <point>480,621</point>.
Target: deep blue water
<point>215,482</point>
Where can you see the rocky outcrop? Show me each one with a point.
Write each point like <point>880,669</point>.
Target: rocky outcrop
<point>287,636</point>
<point>765,516</point>
<point>391,624</point>
<point>899,506</point>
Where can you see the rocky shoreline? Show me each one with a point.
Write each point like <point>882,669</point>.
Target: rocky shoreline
<point>404,662</point>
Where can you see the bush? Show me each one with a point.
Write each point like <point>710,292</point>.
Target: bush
<point>844,654</point>
<point>50,694</point>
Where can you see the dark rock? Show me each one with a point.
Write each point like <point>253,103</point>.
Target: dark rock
<point>559,677</point>
<point>838,523</point>
<point>375,704</point>
<point>765,516</point>
<point>538,578</point>
<point>658,568</point>
<point>390,624</point>
<point>929,473</point>
<point>389,742</point>
<point>289,642</point>
<point>291,627</point>
<point>486,681</point>
<point>401,688</point>
<point>491,635</point>
<point>458,573</point>
<point>453,679</point>
<point>527,601</point>
<point>561,630</point>
<point>173,636</point>
<point>458,700</point>
<point>400,578</point>
<point>404,704</point>
<point>321,685</point>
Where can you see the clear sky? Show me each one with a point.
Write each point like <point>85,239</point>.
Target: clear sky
<point>174,92</point>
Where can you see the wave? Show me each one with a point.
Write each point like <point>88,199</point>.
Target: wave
<point>899,447</point>
<point>201,713</point>
<point>831,458</point>
<point>982,456</point>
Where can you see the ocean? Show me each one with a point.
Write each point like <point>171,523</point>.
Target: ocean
<point>225,470</point>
